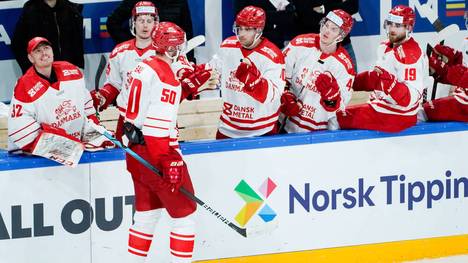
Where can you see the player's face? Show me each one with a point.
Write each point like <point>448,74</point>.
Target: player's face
<point>246,35</point>
<point>143,26</point>
<point>396,32</point>
<point>42,56</point>
<point>329,32</point>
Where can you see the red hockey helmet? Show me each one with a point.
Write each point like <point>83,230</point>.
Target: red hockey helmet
<point>144,8</point>
<point>342,19</point>
<point>251,16</point>
<point>168,37</point>
<point>402,14</point>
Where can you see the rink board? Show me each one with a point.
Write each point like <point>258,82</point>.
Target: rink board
<point>338,197</point>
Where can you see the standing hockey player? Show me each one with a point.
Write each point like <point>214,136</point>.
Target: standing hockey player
<point>396,83</point>
<point>450,67</point>
<point>151,115</point>
<point>252,78</point>
<point>124,58</point>
<point>50,109</point>
<point>319,74</point>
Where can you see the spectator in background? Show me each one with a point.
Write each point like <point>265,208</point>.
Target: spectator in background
<point>311,12</point>
<point>176,11</point>
<point>281,18</point>
<point>60,21</point>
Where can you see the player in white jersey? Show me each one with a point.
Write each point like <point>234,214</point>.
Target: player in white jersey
<point>450,67</point>
<point>396,83</point>
<point>124,58</point>
<point>153,102</point>
<point>50,97</point>
<point>319,75</point>
<point>252,78</point>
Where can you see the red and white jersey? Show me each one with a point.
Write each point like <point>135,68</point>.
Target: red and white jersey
<point>409,64</point>
<point>154,98</point>
<point>122,60</point>
<point>304,62</point>
<point>461,94</point>
<point>243,115</point>
<point>64,104</point>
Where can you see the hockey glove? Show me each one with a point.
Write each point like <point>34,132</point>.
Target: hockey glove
<point>254,84</point>
<point>438,68</point>
<point>199,80</point>
<point>173,171</point>
<point>449,55</point>
<point>329,90</point>
<point>389,84</point>
<point>290,104</point>
<point>104,97</point>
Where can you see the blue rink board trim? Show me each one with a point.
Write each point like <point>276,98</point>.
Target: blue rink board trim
<point>15,162</point>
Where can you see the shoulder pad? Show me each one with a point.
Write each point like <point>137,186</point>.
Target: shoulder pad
<point>306,40</point>
<point>409,52</point>
<point>230,42</point>
<point>121,48</point>
<point>270,51</point>
<point>343,57</point>
<point>29,87</point>
<point>162,70</point>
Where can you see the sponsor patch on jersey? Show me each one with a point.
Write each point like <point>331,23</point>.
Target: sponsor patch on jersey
<point>346,60</point>
<point>69,72</point>
<point>35,89</point>
<point>270,52</point>
<point>120,48</point>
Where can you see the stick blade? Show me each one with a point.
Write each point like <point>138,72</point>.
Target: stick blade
<point>194,42</point>
<point>261,230</point>
<point>447,32</point>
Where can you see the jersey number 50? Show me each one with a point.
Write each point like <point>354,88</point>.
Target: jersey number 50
<point>168,96</point>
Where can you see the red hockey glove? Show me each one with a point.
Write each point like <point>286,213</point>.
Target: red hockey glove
<point>104,97</point>
<point>458,75</point>
<point>329,90</point>
<point>449,55</point>
<point>387,81</point>
<point>290,105</point>
<point>438,68</point>
<point>389,84</point>
<point>254,84</point>
<point>173,171</point>
<point>199,80</point>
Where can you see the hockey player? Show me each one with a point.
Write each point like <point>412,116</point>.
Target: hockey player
<point>51,107</point>
<point>452,68</point>
<point>151,115</point>
<point>396,83</point>
<point>252,78</point>
<point>124,58</point>
<point>319,74</point>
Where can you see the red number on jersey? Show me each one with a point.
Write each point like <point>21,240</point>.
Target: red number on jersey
<point>168,96</point>
<point>134,99</point>
<point>16,111</point>
<point>410,74</point>
<point>349,85</point>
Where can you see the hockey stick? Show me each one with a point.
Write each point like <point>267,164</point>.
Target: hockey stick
<point>100,69</point>
<point>443,32</point>
<point>242,231</point>
<point>193,43</point>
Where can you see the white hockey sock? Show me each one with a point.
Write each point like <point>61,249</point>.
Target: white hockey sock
<point>141,234</point>
<point>182,239</point>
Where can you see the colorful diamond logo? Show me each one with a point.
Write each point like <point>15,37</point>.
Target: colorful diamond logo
<point>253,202</point>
